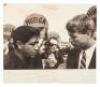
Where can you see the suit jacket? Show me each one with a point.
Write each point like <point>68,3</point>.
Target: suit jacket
<point>73,59</point>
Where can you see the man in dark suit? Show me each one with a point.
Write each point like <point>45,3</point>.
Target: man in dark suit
<point>25,52</point>
<point>81,31</point>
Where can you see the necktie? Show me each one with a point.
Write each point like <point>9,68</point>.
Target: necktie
<point>83,61</point>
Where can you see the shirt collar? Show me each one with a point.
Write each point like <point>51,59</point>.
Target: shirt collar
<point>91,49</point>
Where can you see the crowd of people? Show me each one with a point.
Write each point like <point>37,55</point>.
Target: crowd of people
<point>31,46</point>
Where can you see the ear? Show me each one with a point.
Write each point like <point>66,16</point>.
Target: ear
<point>19,44</point>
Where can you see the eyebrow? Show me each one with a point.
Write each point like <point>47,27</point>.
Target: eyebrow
<point>35,42</point>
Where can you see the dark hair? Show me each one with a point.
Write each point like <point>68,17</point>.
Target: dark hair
<point>92,13</point>
<point>24,33</point>
<point>78,24</point>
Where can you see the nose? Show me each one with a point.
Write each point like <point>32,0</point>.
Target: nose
<point>40,42</point>
<point>36,47</point>
<point>70,40</point>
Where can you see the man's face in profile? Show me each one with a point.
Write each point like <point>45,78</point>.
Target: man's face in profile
<point>78,39</point>
<point>30,48</point>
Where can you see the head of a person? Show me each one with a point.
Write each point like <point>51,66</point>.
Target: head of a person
<point>26,40</point>
<point>53,47</point>
<point>80,31</point>
<point>7,29</point>
<point>39,22</point>
<point>92,14</point>
<point>53,41</point>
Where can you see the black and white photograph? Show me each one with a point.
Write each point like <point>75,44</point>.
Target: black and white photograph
<point>49,40</point>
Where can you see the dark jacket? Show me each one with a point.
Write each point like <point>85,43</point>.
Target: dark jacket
<point>14,62</point>
<point>73,59</point>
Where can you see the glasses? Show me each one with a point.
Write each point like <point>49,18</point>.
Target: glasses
<point>50,44</point>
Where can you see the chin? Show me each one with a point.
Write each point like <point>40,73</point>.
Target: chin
<point>75,45</point>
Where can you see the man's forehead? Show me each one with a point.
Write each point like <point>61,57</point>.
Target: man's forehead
<point>34,38</point>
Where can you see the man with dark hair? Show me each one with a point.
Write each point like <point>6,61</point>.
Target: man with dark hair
<point>83,55</point>
<point>25,53</point>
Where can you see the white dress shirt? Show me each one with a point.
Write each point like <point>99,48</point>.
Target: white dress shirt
<point>89,54</point>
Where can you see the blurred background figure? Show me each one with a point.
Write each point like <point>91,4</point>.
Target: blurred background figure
<point>7,30</point>
<point>53,41</point>
<point>38,21</point>
<point>92,14</point>
<point>52,57</point>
